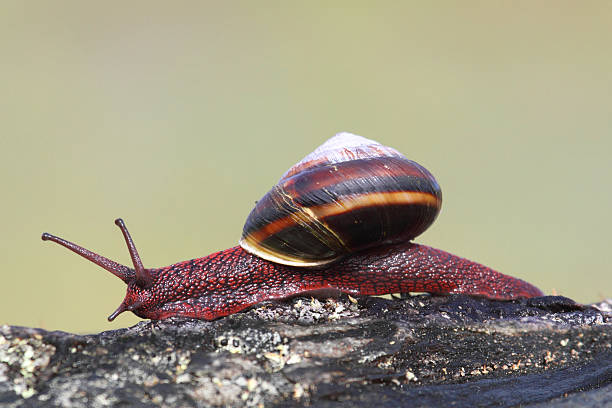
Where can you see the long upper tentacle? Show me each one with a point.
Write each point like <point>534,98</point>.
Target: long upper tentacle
<point>123,272</point>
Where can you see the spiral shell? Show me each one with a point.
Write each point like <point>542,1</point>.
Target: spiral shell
<point>351,193</point>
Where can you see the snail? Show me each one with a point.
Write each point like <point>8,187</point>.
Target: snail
<point>340,220</point>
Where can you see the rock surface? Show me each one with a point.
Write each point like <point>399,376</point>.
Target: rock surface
<point>414,351</point>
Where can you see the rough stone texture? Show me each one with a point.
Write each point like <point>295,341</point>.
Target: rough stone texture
<point>414,351</point>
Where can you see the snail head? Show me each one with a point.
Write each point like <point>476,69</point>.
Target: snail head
<point>138,279</point>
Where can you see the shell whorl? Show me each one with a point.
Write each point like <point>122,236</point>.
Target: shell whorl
<point>351,193</point>
<point>342,147</point>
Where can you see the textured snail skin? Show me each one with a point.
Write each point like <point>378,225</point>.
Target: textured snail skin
<point>229,281</point>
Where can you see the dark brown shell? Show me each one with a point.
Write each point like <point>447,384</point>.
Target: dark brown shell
<point>351,193</point>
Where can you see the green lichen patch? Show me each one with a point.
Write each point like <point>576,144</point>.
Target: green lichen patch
<point>22,360</point>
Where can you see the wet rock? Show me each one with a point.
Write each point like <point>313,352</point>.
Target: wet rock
<point>413,351</point>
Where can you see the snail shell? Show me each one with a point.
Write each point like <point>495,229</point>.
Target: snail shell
<point>351,193</point>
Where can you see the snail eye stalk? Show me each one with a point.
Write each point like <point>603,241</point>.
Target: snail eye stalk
<point>121,271</point>
<point>143,277</point>
<point>140,275</point>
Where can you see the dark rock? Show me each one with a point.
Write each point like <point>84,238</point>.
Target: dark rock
<point>414,351</point>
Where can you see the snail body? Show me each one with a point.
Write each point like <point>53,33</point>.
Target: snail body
<point>340,220</point>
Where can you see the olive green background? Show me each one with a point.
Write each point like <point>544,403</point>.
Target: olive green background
<point>178,116</point>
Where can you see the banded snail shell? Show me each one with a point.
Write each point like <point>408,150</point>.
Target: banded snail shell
<point>350,194</point>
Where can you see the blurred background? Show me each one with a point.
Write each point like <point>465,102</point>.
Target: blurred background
<point>177,117</point>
